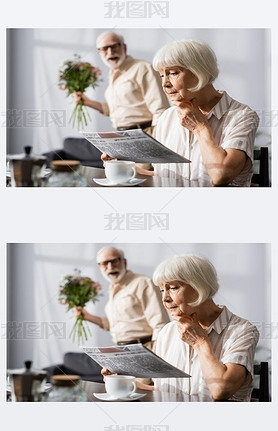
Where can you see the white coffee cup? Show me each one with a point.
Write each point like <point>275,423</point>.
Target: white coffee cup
<point>119,171</point>
<point>120,386</point>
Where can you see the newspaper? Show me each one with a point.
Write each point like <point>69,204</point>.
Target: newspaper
<point>133,360</point>
<point>134,145</point>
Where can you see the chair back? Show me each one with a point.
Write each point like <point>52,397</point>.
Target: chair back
<point>81,364</point>
<point>262,392</point>
<point>261,179</point>
<point>82,150</point>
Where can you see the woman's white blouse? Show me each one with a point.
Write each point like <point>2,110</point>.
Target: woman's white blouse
<point>233,125</point>
<point>233,340</point>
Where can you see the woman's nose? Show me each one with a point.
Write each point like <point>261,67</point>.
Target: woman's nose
<point>166,296</point>
<point>165,81</point>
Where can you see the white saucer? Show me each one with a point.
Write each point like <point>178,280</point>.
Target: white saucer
<point>106,182</point>
<point>107,397</point>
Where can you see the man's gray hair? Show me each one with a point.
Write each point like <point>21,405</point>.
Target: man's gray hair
<point>195,56</point>
<point>109,33</point>
<point>190,269</point>
<point>120,252</point>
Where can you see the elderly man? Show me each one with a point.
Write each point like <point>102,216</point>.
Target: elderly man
<point>135,98</point>
<point>134,310</point>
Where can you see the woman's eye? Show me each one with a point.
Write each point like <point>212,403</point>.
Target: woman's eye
<point>174,287</point>
<point>173,73</point>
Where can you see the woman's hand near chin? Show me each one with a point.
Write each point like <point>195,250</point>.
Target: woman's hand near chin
<point>190,116</point>
<point>191,332</point>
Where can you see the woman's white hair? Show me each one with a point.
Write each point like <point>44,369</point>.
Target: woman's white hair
<point>195,56</point>
<point>196,271</point>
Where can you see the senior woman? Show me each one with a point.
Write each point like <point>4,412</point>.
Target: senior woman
<point>205,125</point>
<point>215,132</point>
<point>205,340</point>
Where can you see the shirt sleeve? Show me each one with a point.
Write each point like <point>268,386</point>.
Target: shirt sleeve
<point>240,348</point>
<point>240,131</point>
<point>152,91</point>
<point>105,109</point>
<point>105,323</point>
<point>153,309</point>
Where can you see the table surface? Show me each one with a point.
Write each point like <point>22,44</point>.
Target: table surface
<point>151,396</point>
<point>150,181</point>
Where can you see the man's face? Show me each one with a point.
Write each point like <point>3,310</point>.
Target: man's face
<point>112,51</point>
<point>111,265</point>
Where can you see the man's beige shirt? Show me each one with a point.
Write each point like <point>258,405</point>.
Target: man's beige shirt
<point>134,94</point>
<point>134,309</point>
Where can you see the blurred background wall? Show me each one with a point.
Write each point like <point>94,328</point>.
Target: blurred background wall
<point>34,101</point>
<point>34,314</point>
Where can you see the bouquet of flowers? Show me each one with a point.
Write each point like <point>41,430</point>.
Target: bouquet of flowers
<point>77,291</point>
<point>75,76</point>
